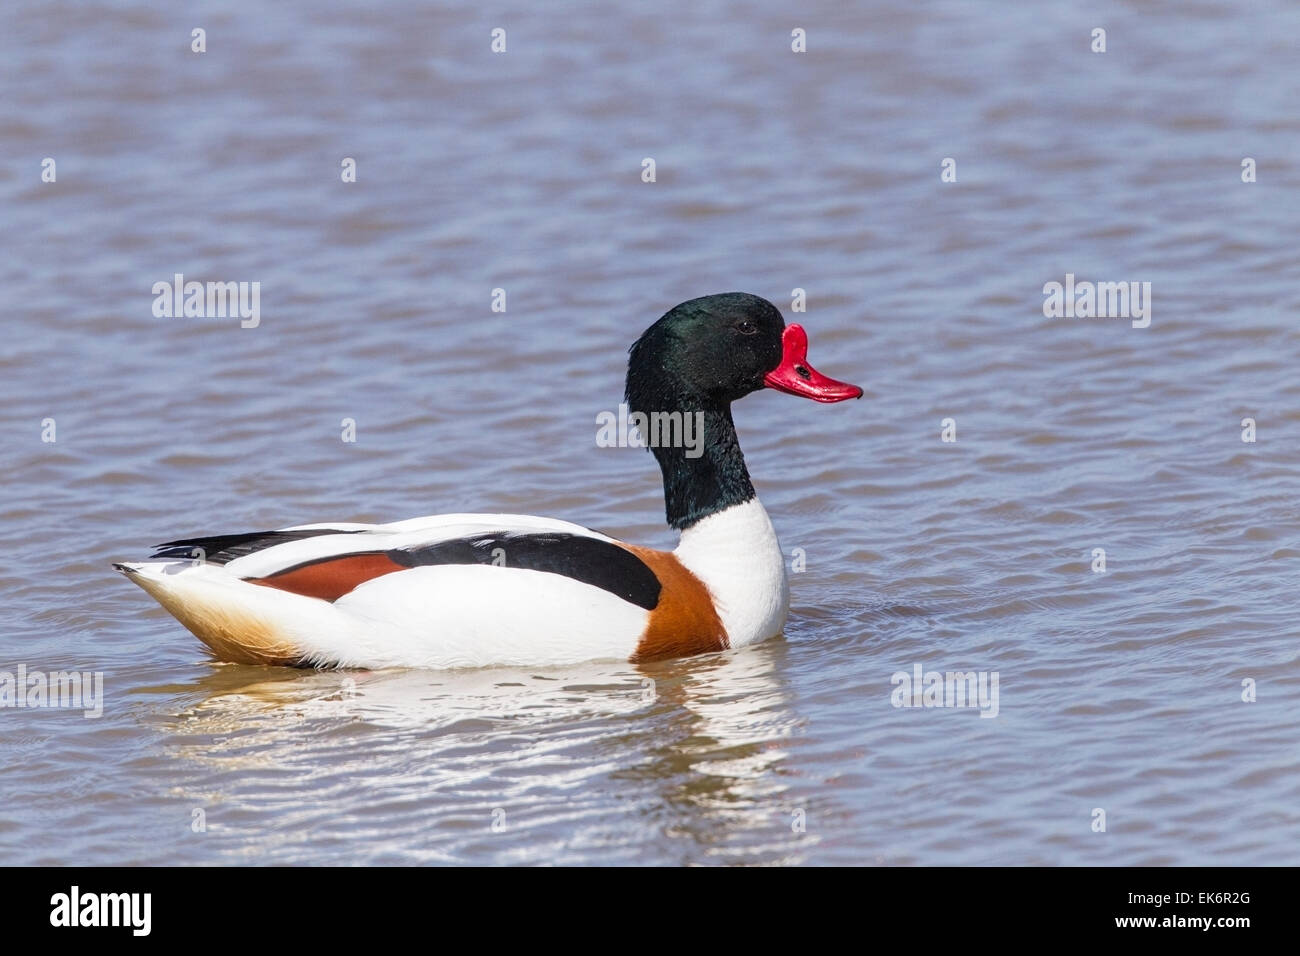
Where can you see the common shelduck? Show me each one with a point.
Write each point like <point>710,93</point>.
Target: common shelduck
<point>475,590</point>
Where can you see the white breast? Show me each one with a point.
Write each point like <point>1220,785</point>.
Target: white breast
<point>736,554</point>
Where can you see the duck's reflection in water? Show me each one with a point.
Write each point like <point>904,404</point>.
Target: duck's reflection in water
<point>691,750</point>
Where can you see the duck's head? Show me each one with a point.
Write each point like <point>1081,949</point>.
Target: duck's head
<point>698,359</point>
<point>710,351</point>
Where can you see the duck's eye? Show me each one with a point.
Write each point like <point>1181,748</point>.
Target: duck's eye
<point>746,327</point>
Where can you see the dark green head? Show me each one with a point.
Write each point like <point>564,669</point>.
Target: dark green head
<point>706,351</point>
<point>696,360</point>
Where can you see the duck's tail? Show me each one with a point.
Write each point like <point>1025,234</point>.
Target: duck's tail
<point>239,622</point>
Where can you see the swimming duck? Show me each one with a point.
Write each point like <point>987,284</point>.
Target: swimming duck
<point>475,590</point>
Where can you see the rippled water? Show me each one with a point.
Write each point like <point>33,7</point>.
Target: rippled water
<point>1120,691</point>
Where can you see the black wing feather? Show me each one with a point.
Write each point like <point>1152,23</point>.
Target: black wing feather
<point>222,548</point>
<point>589,560</point>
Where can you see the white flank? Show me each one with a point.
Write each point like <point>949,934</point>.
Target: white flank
<point>474,615</point>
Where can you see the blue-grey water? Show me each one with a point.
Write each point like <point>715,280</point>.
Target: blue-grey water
<point>1126,690</point>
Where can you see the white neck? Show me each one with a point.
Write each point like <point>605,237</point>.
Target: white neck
<point>736,554</point>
